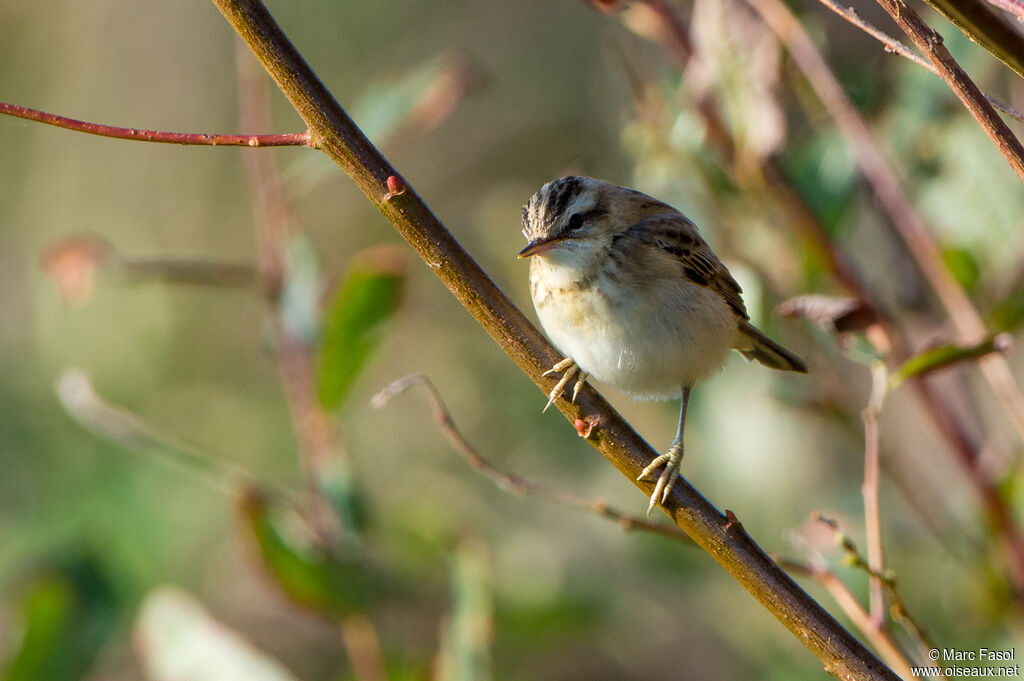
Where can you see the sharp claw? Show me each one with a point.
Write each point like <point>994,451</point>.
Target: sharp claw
<point>653,466</point>
<point>671,483</point>
<point>667,479</point>
<point>569,367</point>
<point>579,385</point>
<point>560,366</point>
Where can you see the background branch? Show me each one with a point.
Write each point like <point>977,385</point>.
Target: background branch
<point>872,510</point>
<point>726,541</point>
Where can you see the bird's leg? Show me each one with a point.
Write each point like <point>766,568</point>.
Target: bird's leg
<point>671,459</point>
<point>568,365</point>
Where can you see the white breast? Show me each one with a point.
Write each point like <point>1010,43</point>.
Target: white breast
<point>648,342</point>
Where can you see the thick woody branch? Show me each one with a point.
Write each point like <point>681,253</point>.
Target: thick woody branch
<point>722,537</point>
<point>930,43</point>
<point>291,139</point>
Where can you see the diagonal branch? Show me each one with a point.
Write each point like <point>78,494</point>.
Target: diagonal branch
<point>723,538</point>
<point>290,139</point>
<point>930,43</point>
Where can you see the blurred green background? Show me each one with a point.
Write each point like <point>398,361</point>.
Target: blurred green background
<point>89,525</point>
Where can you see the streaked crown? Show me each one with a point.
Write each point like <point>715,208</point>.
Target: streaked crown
<point>563,206</point>
<point>548,211</point>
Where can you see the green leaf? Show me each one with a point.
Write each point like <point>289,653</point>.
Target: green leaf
<point>332,582</point>
<point>945,355</point>
<point>366,297</point>
<point>68,613</point>
<point>963,266</point>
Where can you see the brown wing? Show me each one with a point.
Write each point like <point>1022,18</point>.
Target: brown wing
<point>674,234</point>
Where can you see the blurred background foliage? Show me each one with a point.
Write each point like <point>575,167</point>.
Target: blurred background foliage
<point>209,494</point>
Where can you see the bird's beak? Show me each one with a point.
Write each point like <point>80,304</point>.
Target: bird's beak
<point>538,246</point>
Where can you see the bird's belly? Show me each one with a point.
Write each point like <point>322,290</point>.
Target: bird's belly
<point>645,349</point>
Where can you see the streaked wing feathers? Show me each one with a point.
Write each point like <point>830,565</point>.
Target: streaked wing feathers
<point>676,235</point>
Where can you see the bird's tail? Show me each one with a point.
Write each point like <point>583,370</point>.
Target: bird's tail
<point>755,345</point>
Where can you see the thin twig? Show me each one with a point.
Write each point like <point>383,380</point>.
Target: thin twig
<point>930,43</point>
<point>896,47</point>
<point>514,483</point>
<point>869,490</point>
<point>291,139</point>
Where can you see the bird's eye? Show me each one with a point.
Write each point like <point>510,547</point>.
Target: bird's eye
<point>575,222</point>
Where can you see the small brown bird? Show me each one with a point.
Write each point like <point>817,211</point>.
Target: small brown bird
<point>629,292</point>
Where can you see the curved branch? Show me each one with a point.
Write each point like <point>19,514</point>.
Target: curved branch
<point>510,482</point>
<point>723,538</point>
<point>290,139</point>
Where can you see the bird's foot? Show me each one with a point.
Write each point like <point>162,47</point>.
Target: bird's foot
<point>570,369</point>
<point>671,460</point>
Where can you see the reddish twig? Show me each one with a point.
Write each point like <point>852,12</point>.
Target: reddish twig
<point>930,43</point>
<point>291,139</point>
